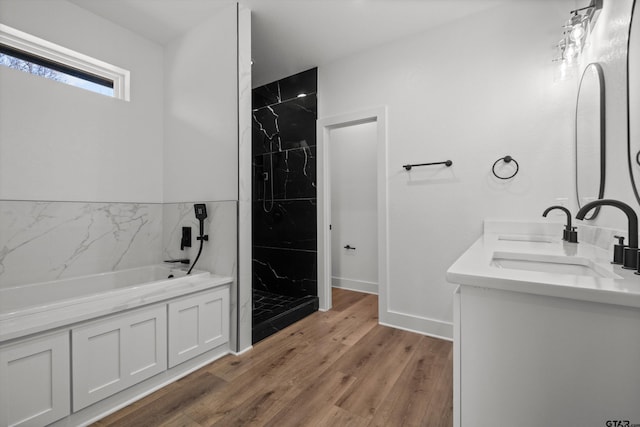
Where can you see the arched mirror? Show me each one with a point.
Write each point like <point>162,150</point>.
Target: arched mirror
<point>633,100</point>
<point>590,137</point>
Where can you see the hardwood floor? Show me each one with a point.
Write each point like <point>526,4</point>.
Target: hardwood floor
<point>338,368</point>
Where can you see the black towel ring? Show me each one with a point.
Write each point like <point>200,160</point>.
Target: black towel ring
<point>506,159</point>
<point>638,158</point>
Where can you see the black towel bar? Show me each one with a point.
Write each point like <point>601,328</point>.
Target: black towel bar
<point>446,162</point>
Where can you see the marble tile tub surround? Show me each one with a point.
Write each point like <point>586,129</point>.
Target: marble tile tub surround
<point>219,252</point>
<point>48,240</point>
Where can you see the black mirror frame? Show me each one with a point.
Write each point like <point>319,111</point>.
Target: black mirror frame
<point>631,158</point>
<point>603,144</point>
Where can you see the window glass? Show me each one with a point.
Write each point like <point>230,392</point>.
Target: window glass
<point>36,66</point>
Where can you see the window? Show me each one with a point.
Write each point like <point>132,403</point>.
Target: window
<point>24,52</point>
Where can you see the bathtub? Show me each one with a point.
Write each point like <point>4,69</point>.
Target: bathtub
<point>80,348</point>
<point>37,307</point>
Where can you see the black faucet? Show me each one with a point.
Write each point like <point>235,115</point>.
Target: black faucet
<point>185,241</point>
<point>181,260</point>
<point>569,233</point>
<point>630,254</point>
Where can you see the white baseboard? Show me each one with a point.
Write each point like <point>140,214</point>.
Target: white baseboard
<point>241,352</point>
<point>420,325</point>
<point>355,285</point>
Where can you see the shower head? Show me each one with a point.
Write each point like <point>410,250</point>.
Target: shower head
<point>201,211</point>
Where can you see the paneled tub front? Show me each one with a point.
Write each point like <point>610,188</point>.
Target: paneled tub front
<point>75,350</point>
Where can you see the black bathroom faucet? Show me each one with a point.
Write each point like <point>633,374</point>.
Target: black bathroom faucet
<point>630,255</point>
<point>569,233</point>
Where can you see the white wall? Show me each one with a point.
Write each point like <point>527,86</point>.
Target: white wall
<point>58,142</point>
<point>176,141</point>
<point>608,46</point>
<point>472,91</point>
<point>201,112</point>
<point>354,198</point>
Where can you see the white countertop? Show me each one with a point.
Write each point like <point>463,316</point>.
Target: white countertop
<point>474,268</point>
<point>104,304</point>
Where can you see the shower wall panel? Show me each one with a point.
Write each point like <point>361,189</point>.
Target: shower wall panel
<point>284,186</point>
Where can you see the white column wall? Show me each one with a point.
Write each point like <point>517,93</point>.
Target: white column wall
<point>201,112</point>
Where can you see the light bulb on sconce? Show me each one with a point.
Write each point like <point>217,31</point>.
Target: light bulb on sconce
<point>576,32</point>
<point>577,26</point>
<point>571,53</point>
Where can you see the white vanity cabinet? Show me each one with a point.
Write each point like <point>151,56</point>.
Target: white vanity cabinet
<point>534,360</point>
<point>198,323</point>
<point>111,354</point>
<point>75,375</point>
<point>34,380</point>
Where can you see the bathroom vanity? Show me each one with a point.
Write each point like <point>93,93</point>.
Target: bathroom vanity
<point>546,333</point>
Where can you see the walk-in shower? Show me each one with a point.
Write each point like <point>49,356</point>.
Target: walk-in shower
<point>284,203</point>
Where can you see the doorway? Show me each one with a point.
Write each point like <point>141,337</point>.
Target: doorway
<point>354,213</point>
<point>326,140</point>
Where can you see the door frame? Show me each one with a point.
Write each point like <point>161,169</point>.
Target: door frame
<point>324,127</point>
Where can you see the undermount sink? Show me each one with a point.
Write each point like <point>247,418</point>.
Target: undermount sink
<point>550,264</point>
<point>525,238</point>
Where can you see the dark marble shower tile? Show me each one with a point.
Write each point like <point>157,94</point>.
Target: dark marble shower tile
<point>293,173</point>
<point>291,124</point>
<point>267,305</point>
<point>284,232</point>
<point>288,88</point>
<point>264,131</point>
<point>269,320</point>
<point>289,224</point>
<point>265,95</point>
<point>305,82</point>
<point>300,116</point>
<point>257,179</point>
<point>285,272</point>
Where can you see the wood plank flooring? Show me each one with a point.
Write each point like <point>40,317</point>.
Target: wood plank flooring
<point>338,368</point>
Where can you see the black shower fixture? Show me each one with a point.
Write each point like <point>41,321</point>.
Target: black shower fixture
<point>201,214</point>
<point>200,210</point>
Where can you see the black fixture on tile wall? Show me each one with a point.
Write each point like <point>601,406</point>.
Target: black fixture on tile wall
<point>285,287</point>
